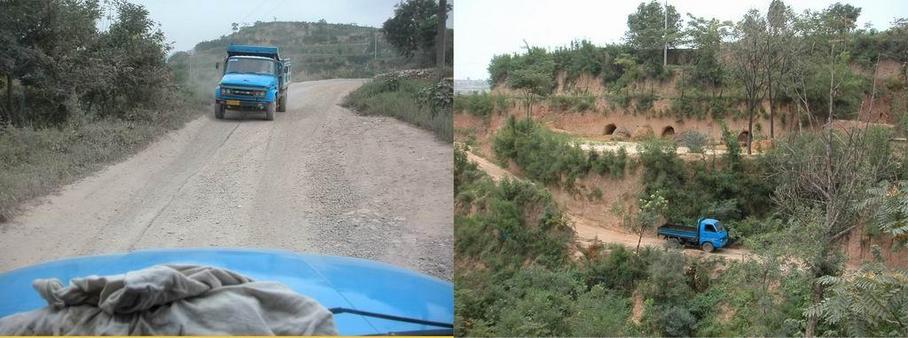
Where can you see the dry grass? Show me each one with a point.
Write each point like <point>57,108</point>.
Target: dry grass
<point>35,162</point>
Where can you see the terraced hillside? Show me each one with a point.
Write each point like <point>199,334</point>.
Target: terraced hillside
<point>318,50</point>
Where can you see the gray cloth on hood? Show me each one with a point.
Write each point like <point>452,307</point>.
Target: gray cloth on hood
<point>170,300</point>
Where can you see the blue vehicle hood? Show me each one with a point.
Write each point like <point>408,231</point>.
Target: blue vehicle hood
<point>249,80</point>
<point>335,282</point>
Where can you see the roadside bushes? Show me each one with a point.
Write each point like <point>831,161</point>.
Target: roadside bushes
<point>35,161</point>
<point>549,157</point>
<point>422,103</point>
<point>83,97</point>
<point>482,105</point>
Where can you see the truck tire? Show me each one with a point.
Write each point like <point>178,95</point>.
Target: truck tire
<point>269,112</point>
<point>218,111</point>
<point>707,247</point>
<point>282,103</point>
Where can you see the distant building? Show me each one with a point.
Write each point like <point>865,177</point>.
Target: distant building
<point>469,86</point>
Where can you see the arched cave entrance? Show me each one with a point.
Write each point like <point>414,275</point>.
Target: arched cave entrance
<point>668,131</point>
<point>742,137</point>
<point>610,129</point>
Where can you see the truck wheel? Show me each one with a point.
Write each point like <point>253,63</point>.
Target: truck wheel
<point>269,112</point>
<point>707,247</point>
<point>218,111</point>
<point>282,104</point>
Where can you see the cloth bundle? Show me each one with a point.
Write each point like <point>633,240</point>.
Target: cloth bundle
<point>170,300</point>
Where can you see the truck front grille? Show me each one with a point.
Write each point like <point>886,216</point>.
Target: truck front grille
<point>247,92</point>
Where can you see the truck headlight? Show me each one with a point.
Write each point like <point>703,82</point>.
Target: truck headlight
<point>260,93</point>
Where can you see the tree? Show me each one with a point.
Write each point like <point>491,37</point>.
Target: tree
<point>648,34</point>
<point>749,58</point>
<point>820,176</point>
<point>652,208</point>
<point>887,203</point>
<point>498,69</point>
<point>47,51</point>
<point>779,33</point>
<point>136,52</point>
<point>706,37</point>
<point>870,302</point>
<point>414,27</point>
<point>819,76</point>
<point>441,34</point>
<point>532,74</point>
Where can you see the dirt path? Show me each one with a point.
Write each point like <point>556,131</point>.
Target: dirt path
<point>491,169</point>
<point>317,179</point>
<point>588,231</point>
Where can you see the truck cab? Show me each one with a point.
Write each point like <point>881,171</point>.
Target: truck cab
<point>254,78</point>
<point>708,234</point>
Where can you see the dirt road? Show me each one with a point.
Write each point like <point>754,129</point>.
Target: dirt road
<point>588,231</point>
<point>317,179</point>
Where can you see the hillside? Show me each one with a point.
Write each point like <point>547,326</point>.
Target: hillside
<point>318,50</point>
<point>610,143</point>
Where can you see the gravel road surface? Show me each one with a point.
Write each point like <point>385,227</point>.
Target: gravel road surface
<point>317,179</point>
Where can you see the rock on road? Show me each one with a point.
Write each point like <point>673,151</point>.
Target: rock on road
<point>317,179</point>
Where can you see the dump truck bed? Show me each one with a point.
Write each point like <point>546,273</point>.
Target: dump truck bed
<point>677,230</point>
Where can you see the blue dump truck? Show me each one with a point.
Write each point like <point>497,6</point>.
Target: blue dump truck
<point>254,78</point>
<point>708,234</point>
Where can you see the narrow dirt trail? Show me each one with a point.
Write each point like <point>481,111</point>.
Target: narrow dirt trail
<point>491,169</point>
<point>588,231</point>
<point>317,179</point>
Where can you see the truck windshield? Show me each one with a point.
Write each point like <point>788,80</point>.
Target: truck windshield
<point>248,65</point>
<point>719,227</point>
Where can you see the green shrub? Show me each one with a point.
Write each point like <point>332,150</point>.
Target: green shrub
<point>548,157</point>
<point>619,270</point>
<point>481,105</point>
<point>609,163</point>
<point>694,141</point>
<point>566,103</point>
<point>599,313</point>
<point>476,104</point>
<point>727,190</point>
<point>418,102</point>
<point>671,320</point>
<point>518,220</point>
<point>645,102</point>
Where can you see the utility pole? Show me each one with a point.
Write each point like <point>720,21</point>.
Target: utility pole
<point>664,34</point>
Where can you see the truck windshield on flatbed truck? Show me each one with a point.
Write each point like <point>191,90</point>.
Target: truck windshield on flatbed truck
<point>254,78</point>
<point>708,234</point>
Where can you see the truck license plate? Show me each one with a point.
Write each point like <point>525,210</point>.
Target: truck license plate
<point>233,102</point>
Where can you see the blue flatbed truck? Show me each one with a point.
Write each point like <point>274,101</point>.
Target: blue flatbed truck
<point>708,234</point>
<point>254,78</point>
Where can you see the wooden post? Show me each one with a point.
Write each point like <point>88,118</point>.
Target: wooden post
<point>9,97</point>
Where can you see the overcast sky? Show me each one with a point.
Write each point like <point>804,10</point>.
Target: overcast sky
<point>188,22</point>
<point>490,27</point>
